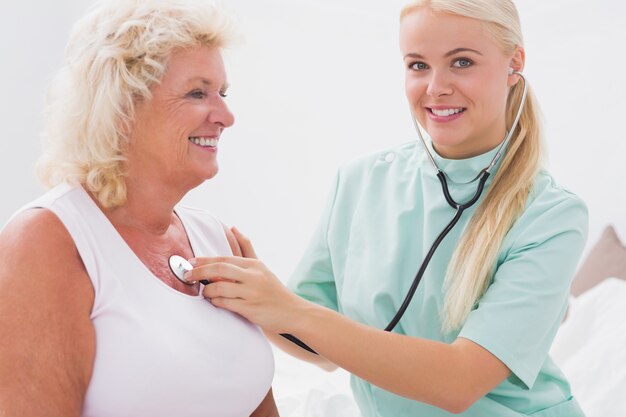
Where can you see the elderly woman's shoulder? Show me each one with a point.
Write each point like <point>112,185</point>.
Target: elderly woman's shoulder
<point>35,247</point>
<point>34,227</point>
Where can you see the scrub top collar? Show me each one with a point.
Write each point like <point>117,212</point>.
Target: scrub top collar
<point>463,170</point>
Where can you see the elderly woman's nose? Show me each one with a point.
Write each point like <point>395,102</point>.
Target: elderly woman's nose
<point>221,114</point>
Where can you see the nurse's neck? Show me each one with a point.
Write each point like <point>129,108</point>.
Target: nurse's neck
<point>467,149</point>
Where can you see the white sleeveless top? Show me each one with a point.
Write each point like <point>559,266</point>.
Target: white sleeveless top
<point>160,352</point>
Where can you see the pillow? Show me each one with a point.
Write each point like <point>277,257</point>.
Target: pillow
<point>606,259</point>
<point>589,349</point>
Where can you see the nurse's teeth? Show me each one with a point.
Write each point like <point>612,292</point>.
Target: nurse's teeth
<point>445,112</point>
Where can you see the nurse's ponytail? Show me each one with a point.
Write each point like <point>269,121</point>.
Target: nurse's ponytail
<point>473,262</point>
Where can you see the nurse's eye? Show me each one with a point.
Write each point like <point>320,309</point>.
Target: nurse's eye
<point>418,66</point>
<point>462,63</point>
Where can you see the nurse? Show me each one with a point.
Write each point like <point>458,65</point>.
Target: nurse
<point>475,339</point>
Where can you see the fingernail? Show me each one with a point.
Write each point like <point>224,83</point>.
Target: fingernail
<point>187,275</point>
<point>193,261</point>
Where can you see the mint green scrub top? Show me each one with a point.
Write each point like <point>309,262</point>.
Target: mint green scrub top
<point>385,211</point>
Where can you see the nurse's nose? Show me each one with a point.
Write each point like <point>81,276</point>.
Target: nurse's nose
<point>439,84</point>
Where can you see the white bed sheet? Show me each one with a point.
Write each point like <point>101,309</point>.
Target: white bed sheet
<point>304,390</point>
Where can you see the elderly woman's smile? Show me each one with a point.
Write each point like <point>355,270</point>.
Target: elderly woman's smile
<point>204,142</point>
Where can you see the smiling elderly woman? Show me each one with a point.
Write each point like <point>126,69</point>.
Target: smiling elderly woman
<point>106,329</point>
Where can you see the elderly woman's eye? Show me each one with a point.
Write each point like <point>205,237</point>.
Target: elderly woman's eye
<point>223,93</point>
<point>199,94</point>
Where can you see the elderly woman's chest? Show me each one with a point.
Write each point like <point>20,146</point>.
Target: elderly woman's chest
<point>154,253</point>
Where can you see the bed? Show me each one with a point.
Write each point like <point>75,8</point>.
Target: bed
<point>590,347</point>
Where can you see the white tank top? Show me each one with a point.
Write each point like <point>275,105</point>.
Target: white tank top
<point>160,352</point>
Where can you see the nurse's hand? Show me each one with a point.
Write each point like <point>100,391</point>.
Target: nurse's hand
<point>246,286</point>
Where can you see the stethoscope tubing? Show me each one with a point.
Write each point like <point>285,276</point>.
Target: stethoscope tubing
<point>460,208</point>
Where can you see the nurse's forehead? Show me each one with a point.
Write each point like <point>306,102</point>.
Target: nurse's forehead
<point>428,20</point>
<point>444,31</point>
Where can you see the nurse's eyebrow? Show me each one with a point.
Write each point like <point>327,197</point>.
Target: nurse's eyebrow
<point>458,50</point>
<point>448,54</point>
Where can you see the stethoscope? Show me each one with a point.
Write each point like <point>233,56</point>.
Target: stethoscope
<point>180,265</point>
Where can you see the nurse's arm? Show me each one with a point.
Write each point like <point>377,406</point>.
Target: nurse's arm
<point>449,376</point>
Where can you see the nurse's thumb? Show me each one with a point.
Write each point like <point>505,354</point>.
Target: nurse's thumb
<point>247,250</point>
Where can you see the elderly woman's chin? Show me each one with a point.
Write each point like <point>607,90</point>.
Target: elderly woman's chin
<point>203,165</point>
<point>208,173</point>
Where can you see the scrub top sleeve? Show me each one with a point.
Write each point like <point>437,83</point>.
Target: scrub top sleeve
<point>313,278</point>
<point>520,313</point>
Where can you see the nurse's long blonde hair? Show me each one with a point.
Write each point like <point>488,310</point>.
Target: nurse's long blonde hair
<point>472,265</point>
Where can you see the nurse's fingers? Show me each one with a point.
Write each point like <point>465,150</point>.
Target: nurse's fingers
<point>223,289</point>
<point>233,304</point>
<point>238,261</point>
<point>215,271</point>
<point>244,244</point>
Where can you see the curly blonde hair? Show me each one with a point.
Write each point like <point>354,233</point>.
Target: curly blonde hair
<point>115,54</point>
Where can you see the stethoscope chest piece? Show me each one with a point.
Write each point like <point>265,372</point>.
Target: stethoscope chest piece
<point>179,266</point>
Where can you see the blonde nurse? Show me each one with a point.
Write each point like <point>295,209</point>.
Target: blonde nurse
<point>475,338</point>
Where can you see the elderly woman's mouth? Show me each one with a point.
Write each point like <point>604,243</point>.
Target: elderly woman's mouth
<point>204,141</point>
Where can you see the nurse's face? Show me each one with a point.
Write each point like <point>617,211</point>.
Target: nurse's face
<point>457,81</point>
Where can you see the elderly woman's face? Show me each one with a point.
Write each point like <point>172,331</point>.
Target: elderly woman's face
<point>175,135</point>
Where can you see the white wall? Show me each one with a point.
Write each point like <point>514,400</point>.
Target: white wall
<point>318,83</point>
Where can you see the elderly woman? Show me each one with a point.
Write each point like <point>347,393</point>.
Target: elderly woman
<point>106,328</point>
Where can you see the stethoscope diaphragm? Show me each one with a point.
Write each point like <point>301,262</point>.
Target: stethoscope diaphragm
<point>179,266</point>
